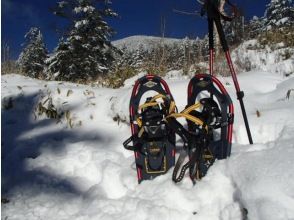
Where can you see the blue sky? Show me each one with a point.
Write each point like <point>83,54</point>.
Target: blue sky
<point>136,17</point>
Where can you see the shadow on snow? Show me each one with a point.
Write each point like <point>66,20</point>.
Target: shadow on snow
<point>19,120</point>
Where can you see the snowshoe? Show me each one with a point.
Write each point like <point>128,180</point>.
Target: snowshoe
<point>217,112</point>
<point>153,141</point>
<point>210,125</point>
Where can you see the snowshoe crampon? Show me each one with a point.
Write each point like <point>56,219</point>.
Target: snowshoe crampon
<point>153,141</point>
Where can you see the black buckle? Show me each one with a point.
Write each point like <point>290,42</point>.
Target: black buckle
<point>229,121</point>
<point>230,118</point>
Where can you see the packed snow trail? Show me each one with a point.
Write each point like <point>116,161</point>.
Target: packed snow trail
<point>76,167</point>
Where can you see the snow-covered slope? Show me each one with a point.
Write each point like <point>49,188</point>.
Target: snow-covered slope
<point>250,55</point>
<point>77,168</point>
<point>146,42</point>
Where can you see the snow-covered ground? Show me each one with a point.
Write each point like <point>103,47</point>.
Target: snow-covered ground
<point>77,168</point>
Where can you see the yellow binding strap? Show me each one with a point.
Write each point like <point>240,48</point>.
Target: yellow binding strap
<point>188,117</point>
<point>153,102</point>
<point>139,122</point>
<point>141,132</point>
<point>147,104</point>
<point>158,96</point>
<point>191,108</point>
<point>172,107</point>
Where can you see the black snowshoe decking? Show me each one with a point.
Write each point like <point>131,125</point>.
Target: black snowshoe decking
<point>222,110</point>
<point>153,141</point>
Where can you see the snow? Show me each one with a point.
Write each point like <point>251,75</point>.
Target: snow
<point>78,24</point>
<point>282,21</point>
<point>79,169</point>
<point>85,9</point>
<point>250,55</point>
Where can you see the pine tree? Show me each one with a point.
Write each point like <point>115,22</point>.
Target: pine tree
<point>32,58</point>
<point>87,50</point>
<point>194,51</point>
<point>204,48</point>
<point>125,58</point>
<point>122,60</point>
<point>137,57</point>
<point>279,13</point>
<point>234,30</point>
<point>197,49</point>
<point>186,47</point>
<point>254,27</point>
<point>59,64</point>
<point>171,58</point>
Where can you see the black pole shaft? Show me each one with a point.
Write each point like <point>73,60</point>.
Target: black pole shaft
<point>211,45</point>
<point>210,33</point>
<point>240,94</point>
<point>245,118</point>
<point>221,33</point>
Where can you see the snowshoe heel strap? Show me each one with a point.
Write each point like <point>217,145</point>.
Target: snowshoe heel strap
<point>126,144</point>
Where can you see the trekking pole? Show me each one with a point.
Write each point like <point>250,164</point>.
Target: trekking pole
<point>214,16</point>
<point>240,94</point>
